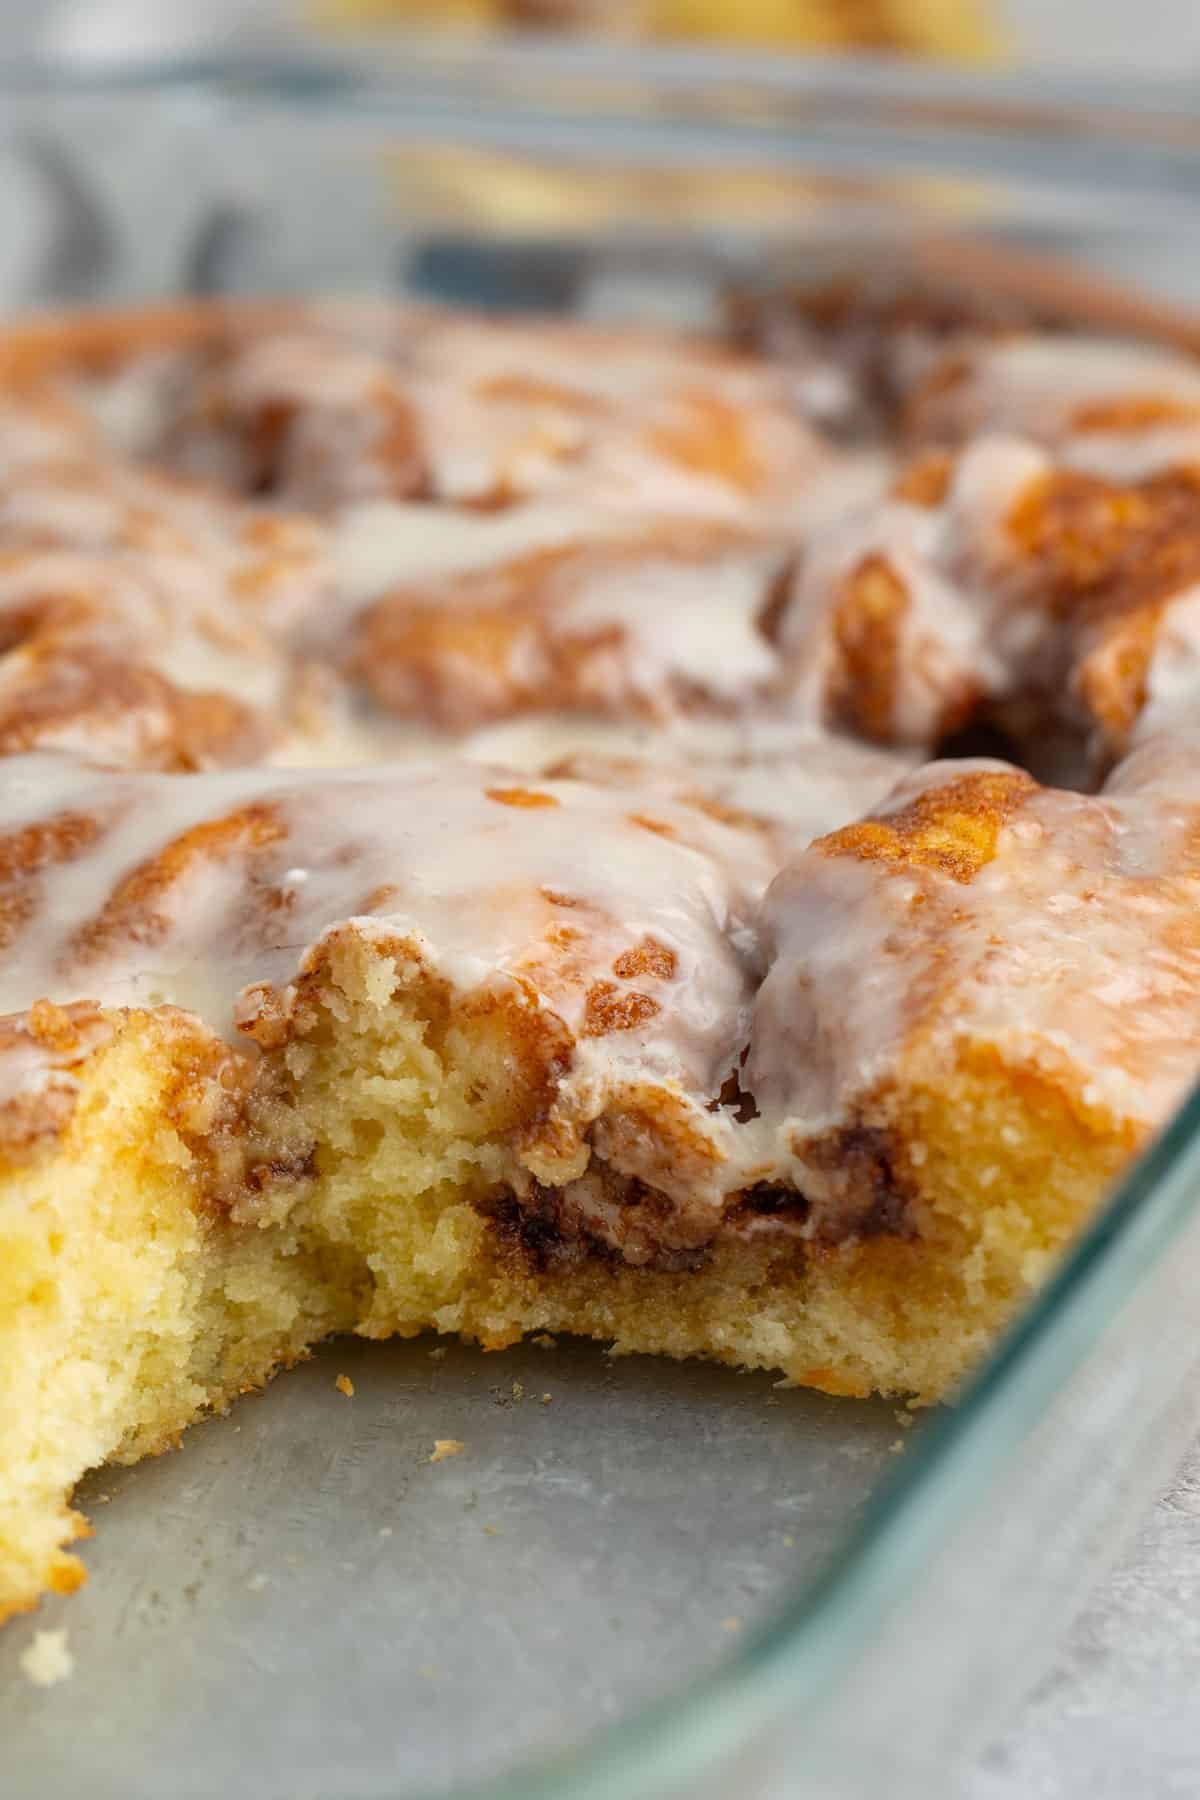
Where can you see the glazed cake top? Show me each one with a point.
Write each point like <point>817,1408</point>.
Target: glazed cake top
<point>619,633</point>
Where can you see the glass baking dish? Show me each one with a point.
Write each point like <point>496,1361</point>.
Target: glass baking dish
<point>642,1579</point>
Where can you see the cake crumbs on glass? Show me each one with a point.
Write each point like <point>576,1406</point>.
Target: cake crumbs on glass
<point>446,1447</point>
<point>438,1354</point>
<point>344,1385</point>
<point>731,1624</point>
<point>544,1341</point>
<point>546,1399</point>
<point>518,1390</point>
<point>47,1661</point>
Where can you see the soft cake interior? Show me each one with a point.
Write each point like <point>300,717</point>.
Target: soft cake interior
<point>197,1227</point>
<point>397,525</point>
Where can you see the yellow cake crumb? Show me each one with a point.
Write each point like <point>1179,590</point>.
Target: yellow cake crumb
<point>47,1661</point>
<point>344,1385</point>
<point>446,1447</point>
<point>181,1313</point>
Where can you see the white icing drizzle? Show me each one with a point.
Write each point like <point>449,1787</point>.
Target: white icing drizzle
<point>472,409</point>
<point>451,859</point>
<point>1173,675</point>
<point>1074,951</point>
<point>683,622</point>
<point>356,409</point>
<point>382,543</point>
<point>796,782</point>
<point>981,625</point>
<point>958,632</point>
<point>1045,388</point>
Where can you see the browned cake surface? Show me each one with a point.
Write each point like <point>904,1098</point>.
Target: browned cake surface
<point>464,862</point>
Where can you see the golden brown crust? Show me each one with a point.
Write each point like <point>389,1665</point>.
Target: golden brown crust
<point>388,390</point>
<point>953,827</point>
<point>332,405</point>
<point>1107,561</point>
<point>866,624</point>
<point>1112,679</point>
<point>1133,412</point>
<point>132,603</point>
<point>552,631</point>
<point>1100,547</point>
<point>93,342</point>
<point>521,796</point>
<point>69,693</point>
<point>646,957</point>
<point>925,478</point>
<point>609,1008</point>
<point>56,1041</point>
<point>137,909</point>
<point>543,1031</point>
<point>710,437</point>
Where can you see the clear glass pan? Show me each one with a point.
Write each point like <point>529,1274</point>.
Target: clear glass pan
<point>661,1581</point>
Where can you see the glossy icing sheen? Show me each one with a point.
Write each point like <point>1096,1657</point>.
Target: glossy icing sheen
<point>142,890</point>
<point>596,607</point>
<point>1061,930</point>
<point>619,923</point>
<point>644,497</point>
<point>338,405</point>
<point>1024,584</point>
<point>1116,409</point>
<point>617,913</point>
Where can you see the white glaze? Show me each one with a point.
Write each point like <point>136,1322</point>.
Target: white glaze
<point>435,857</point>
<point>489,408</point>
<point>1041,388</point>
<point>1070,950</point>
<point>1074,951</point>
<point>958,630</point>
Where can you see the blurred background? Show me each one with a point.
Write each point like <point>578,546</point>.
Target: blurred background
<point>1042,33</point>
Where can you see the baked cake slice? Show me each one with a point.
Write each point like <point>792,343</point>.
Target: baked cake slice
<point>463,863</point>
<point>369,1050</point>
<point>981,1001</point>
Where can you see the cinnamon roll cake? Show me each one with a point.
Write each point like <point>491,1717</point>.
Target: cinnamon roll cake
<point>481,850</point>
